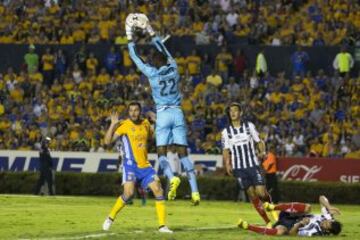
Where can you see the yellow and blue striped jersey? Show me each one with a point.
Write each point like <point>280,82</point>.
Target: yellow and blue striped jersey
<point>134,138</point>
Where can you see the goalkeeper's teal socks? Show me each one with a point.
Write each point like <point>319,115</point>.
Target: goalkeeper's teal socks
<point>189,168</point>
<point>165,166</point>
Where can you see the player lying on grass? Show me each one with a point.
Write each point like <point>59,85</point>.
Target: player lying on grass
<point>135,133</point>
<point>295,219</point>
<point>164,77</point>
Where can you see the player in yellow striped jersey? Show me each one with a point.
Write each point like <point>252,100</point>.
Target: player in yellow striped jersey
<point>135,133</point>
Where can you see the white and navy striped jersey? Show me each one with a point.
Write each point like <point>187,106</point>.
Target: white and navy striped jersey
<point>313,228</point>
<point>240,142</point>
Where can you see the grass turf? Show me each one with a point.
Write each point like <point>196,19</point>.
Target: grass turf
<point>29,217</point>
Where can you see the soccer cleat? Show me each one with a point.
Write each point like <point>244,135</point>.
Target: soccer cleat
<point>165,229</point>
<point>195,198</point>
<point>243,224</point>
<point>269,225</point>
<point>107,224</point>
<point>268,206</point>
<point>174,184</point>
<point>275,215</point>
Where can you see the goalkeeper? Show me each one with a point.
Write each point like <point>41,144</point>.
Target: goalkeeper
<point>164,79</point>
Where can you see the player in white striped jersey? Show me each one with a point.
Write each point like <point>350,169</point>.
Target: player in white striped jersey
<point>296,219</point>
<point>240,157</point>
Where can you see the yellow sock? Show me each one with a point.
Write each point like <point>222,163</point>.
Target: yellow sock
<point>120,203</point>
<point>160,210</point>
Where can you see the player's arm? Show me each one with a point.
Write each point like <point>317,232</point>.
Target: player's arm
<point>137,21</point>
<point>151,116</point>
<point>295,229</point>
<point>227,161</point>
<point>324,202</point>
<point>260,144</point>
<point>145,68</point>
<point>110,135</point>
<point>226,152</point>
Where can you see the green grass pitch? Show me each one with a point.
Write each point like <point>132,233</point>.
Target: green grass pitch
<point>31,217</point>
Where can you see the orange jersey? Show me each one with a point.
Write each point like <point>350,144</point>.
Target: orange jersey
<point>269,164</point>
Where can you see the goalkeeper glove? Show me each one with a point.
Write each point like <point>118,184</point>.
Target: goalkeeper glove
<point>129,24</point>
<point>141,20</point>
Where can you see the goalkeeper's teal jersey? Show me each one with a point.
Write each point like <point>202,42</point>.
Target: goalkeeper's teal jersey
<point>164,81</point>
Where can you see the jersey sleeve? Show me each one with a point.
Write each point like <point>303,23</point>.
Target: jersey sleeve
<point>121,130</point>
<point>156,41</point>
<point>225,140</point>
<point>303,233</point>
<point>326,214</point>
<point>254,133</point>
<point>146,69</point>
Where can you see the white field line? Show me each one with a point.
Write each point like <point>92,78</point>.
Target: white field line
<point>45,196</point>
<point>99,235</point>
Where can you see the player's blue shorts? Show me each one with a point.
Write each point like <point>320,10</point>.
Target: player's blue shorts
<point>144,176</point>
<point>171,127</point>
<point>250,177</point>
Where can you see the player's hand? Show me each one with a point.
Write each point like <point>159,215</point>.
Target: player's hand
<point>334,211</point>
<point>141,21</point>
<point>262,155</point>
<point>114,117</point>
<point>229,170</point>
<point>305,221</point>
<point>151,115</point>
<point>129,25</point>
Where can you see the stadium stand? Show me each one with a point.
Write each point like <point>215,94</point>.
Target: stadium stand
<point>70,99</point>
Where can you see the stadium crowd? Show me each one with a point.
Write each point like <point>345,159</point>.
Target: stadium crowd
<point>277,22</point>
<point>70,101</point>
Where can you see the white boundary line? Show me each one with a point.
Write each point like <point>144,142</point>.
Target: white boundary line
<point>99,235</point>
<point>48,196</point>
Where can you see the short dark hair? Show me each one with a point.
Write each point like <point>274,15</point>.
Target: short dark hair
<point>134,104</point>
<point>336,227</point>
<point>159,59</point>
<point>233,104</point>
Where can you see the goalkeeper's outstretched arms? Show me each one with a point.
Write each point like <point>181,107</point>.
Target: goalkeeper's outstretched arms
<point>160,46</point>
<point>158,43</point>
<point>140,21</point>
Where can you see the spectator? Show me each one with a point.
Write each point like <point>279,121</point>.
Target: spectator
<point>181,63</point>
<point>240,63</point>
<point>223,60</point>
<point>299,59</point>
<point>214,79</point>
<point>202,38</point>
<point>31,60</point>
<point>91,63</point>
<point>46,171</point>
<point>60,63</point>
<point>232,18</point>
<point>193,63</point>
<point>48,61</point>
<point>261,64</point>
<point>112,60</point>
<point>270,167</point>
<point>80,58</point>
<point>233,88</point>
<point>343,62</point>
<point>289,147</point>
